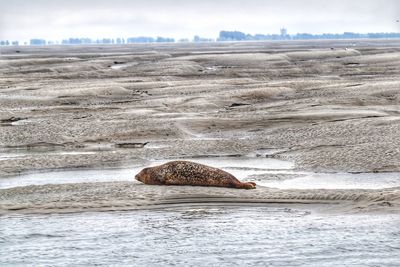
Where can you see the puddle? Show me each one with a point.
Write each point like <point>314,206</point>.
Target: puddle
<point>338,181</point>
<point>123,65</point>
<point>70,176</point>
<point>21,122</point>
<point>211,69</point>
<point>154,145</point>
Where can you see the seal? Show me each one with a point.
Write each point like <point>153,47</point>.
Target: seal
<point>190,173</point>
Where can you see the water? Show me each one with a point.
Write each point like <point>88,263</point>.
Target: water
<point>338,181</point>
<point>205,235</point>
<point>201,236</point>
<point>120,66</point>
<point>264,171</point>
<point>241,167</point>
<point>70,176</point>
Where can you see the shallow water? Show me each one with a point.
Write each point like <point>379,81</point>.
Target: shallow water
<point>69,176</point>
<point>264,171</point>
<point>338,181</point>
<point>123,65</point>
<point>201,236</point>
<point>241,167</point>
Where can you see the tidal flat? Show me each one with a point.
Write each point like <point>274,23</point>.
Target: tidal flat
<point>315,123</point>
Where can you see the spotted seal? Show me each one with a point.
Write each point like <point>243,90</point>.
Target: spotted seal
<point>190,173</point>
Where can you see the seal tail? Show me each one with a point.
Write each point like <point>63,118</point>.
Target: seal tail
<point>249,185</point>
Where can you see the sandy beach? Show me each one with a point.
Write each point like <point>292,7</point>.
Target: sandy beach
<point>325,106</point>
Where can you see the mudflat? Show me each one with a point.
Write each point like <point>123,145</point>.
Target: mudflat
<point>327,106</point>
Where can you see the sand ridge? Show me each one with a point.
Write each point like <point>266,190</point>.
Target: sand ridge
<point>112,196</point>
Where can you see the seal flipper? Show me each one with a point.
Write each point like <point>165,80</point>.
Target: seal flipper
<point>249,185</point>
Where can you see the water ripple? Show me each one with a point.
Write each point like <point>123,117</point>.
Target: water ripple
<point>201,236</point>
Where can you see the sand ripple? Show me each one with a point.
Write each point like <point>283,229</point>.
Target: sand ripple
<point>111,196</point>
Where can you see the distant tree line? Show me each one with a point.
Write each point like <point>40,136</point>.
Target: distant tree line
<point>223,36</point>
<point>84,41</point>
<point>130,40</point>
<point>240,36</point>
<point>6,42</point>
<point>233,36</point>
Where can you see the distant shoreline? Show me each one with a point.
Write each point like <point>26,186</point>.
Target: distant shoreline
<point>235,36</point>
<point>305,41</point>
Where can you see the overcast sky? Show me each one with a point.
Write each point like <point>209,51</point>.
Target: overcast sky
<point>57,19</point>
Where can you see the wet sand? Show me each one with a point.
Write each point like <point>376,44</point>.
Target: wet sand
<point>327,106</point>
<point>119,196</point>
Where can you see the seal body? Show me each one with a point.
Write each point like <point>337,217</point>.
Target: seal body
<point>190,173</point>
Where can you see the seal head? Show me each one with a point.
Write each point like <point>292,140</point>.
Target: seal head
<point>148,176</point>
